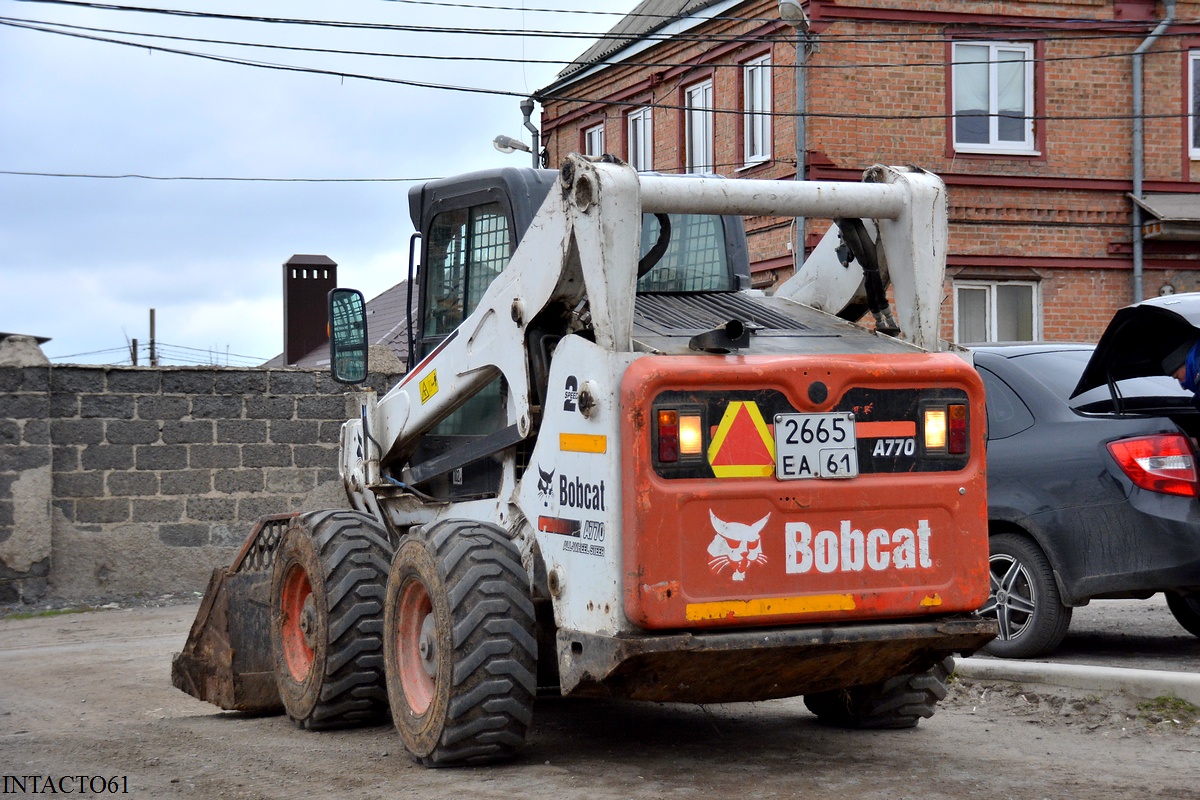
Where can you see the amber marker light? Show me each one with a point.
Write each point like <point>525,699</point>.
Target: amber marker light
<point>691,440</point>
<point>935,429</point>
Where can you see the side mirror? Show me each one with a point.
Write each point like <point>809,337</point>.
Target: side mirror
<point>347,336</point>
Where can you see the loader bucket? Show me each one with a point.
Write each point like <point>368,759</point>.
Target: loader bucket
<point>227,658</point>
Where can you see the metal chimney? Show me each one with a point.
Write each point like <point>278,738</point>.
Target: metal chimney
<point>306,284</point>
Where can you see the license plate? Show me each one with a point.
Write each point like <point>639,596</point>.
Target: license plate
<point>815,446</point>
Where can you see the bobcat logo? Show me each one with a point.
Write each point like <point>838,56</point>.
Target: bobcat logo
<point>736,544</point>
<point>545,486</point>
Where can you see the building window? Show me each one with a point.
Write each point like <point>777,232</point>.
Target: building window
<point>756,87</point>
<point>641,140</point>
<point>996,311</point>
<point>1193,104</point>
<point>593,140</point>
<point>993,97</point>
<point>698,133</point>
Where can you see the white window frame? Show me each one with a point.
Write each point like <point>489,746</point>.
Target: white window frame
<point>593,140</point>
<point>639,125</point>
<point>698,127</point>
<point>1193,112</point>
<point>990,288</point>
<point>994,144</point>
<point>756,108</point>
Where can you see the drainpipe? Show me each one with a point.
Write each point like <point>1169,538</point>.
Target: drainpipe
<point>1139,143</point>
<point>527,111</point>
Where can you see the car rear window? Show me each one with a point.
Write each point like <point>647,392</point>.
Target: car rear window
<point>1060,371</point>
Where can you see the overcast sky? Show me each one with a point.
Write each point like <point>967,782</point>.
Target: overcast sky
<point>83,260</point>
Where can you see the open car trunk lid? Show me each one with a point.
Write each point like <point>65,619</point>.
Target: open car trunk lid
<point>1139,337</point>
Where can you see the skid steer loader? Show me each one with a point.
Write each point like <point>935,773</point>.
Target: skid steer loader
<point>617,471</point>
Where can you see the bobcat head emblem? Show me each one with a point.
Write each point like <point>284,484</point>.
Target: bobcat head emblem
<point>736,545</point>
<point>545,485</point>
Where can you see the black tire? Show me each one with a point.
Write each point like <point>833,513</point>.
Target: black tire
<point>1186,608</point>
<point>1024,600</point>
<point>460,645</point>
<point>899,702</point>
<point>327,619</point>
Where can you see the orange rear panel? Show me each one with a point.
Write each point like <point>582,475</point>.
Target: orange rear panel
<point>719,540</point>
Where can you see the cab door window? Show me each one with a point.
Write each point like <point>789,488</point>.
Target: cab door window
<point>468,248</point>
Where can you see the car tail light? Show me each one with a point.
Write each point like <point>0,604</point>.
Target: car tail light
<point>1160,463</point>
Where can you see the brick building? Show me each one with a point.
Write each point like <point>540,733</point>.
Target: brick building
<point>1025,109</point>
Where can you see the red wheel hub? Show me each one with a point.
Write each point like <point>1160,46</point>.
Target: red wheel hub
<point>416,644</point>
<point>298,623</point>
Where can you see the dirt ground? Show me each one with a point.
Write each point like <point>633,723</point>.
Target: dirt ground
<point>89,695</point>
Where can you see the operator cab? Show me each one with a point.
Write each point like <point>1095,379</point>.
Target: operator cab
<point>469,227</point>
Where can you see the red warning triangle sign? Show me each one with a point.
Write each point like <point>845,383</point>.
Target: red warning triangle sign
<point>743,445</point>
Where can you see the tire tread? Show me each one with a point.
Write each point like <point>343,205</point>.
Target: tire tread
<point>354,550</point>
<point>899,702</point>
<point>493,679</point>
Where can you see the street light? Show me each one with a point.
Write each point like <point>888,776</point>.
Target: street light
<point>791,12</point>
<point>507,144</point>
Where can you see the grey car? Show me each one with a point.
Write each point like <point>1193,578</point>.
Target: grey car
<point>1092,497</point>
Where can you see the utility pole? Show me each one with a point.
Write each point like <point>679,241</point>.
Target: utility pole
<point>153,351</point>
<point>791,12</point>
<point>133,352</point>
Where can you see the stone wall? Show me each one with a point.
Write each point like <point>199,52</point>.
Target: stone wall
<point>123,480</point>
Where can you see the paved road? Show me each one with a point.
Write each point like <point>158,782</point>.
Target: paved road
<point>89,694</point>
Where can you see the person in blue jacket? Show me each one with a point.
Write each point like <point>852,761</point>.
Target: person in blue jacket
<point>1183,364</point>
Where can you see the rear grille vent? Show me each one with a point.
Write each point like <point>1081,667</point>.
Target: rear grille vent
<point>684,313</point>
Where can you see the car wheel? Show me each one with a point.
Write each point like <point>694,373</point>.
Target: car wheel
<point>1024,599</point>
<point>1186,608</point>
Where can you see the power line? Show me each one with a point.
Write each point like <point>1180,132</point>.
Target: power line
<point>292,48</point>
<point>266,65</point>
<point>47,26</point>
<point>543,98</point>
<point>372,26</point>
<point>174,352</point>
<point>207,178</point>
<point>1126,29</point>
<point>94,353</point>
<point>583,12</point>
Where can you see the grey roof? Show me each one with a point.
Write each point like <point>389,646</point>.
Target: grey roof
<point>1171,207</point>
<point>649,16</point>
<point>385,326</point>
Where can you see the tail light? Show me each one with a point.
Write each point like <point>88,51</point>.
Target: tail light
<point>668,436</point>
<point>956,440</point>
<point>680,435</point>
<point>1160,463</point>
<point>945,428</point>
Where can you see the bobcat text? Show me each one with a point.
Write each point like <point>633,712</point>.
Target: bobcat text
<point>851,550</point>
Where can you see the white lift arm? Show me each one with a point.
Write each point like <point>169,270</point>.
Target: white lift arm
<point>911,243</point>
<point>582,250</point>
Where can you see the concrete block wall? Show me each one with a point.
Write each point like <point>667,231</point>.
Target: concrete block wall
<point>120,480</point>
